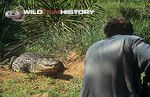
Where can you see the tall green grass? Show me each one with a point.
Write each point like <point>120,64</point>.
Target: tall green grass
<point>57,42</point>
<point>57,34</point>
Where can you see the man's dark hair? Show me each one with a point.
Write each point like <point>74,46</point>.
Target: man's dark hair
<point>117,26</point>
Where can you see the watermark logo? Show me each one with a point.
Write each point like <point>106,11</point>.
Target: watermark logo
<point>33,11</point>
<point>19,12</point>
<point>68,11</point>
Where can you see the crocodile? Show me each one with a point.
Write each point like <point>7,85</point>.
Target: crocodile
<point>35,63</point>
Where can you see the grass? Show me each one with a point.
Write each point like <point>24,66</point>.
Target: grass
<point>54,34</point>
<point>39,85</point>
<point>55,42</point>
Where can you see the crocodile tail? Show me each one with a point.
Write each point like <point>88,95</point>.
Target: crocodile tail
<point>11,62</point>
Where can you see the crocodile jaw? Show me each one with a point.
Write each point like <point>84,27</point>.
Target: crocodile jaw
<point>45,69</point>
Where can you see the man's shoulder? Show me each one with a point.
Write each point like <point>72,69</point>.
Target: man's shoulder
<point>94,47</point>
<point>116,37</point>
<point>129,38</point>
<point>132,37</point>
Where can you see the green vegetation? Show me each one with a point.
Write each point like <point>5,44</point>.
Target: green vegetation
<point>57,34</point>
<point>38,85</point>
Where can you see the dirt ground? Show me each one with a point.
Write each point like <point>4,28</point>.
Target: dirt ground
<point>74,67</point>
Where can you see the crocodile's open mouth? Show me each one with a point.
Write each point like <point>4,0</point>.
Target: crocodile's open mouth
<point>47,68</point>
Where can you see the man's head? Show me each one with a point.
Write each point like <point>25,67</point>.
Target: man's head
<point>118,26</point>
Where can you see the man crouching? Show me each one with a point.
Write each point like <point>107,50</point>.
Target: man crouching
<point>113,66</point>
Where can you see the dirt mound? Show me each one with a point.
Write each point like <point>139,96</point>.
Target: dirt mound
<point>74,68</point>
<point>74,65</point>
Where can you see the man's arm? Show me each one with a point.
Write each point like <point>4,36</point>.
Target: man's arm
<point>141,50</point>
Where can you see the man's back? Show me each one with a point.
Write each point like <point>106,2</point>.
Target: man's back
<point>112,67</point>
